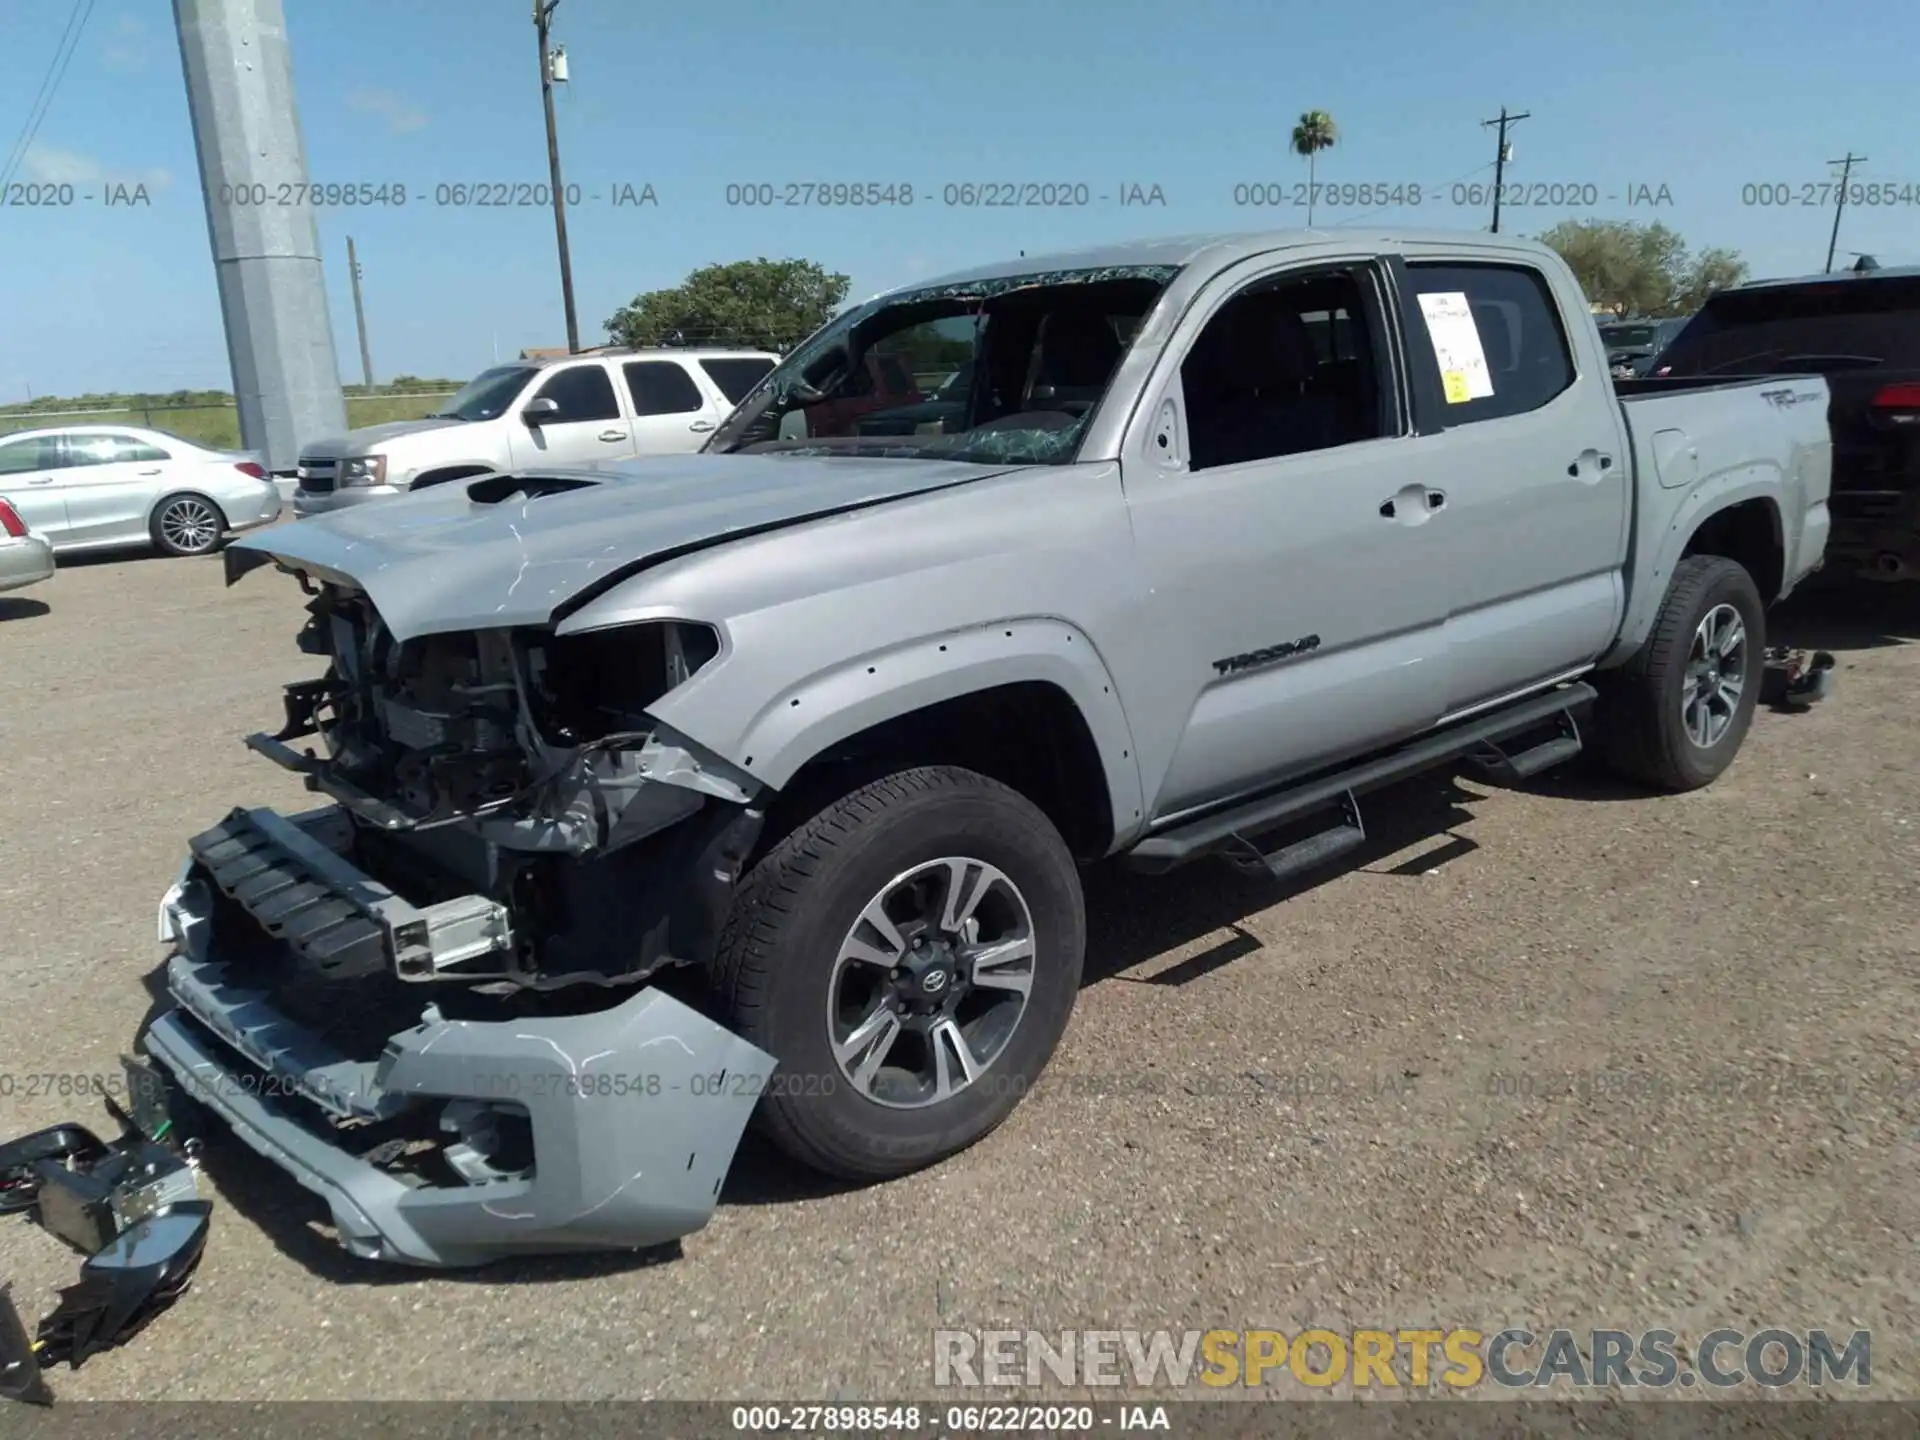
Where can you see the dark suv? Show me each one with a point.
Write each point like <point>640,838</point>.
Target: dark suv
<point>1860,329</point>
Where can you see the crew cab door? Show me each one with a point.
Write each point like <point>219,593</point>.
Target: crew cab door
<point>1526,451</point>
<point>592,424</point>
<point>1296,600</point>
<point>672,413</point>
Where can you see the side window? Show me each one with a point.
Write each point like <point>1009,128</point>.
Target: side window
<point>128,447</point>
<point>93,449</point>
<point>583,392</point>
<point>662,387</point>
<point>736,377</point>
<point>18,457</point>
<point>1282,368</point>
<point>1498,338</point>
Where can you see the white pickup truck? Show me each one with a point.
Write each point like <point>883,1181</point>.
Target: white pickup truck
<point>610,404</point>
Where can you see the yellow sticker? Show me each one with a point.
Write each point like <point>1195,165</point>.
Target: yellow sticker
<point>1455,382</point>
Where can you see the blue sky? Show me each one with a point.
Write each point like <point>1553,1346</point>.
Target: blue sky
<point>1194,96</point>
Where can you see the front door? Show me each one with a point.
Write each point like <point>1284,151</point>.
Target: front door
<point>1287,547</point>
<point>590,426</point>
<point>31,469</point>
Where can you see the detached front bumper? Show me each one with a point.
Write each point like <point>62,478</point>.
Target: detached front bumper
<point>634,1112</point>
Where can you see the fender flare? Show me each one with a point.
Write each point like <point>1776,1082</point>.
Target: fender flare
<point>832,704</point>
<point>1648,582</point>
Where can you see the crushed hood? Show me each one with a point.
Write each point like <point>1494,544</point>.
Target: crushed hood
<point>444,560</point>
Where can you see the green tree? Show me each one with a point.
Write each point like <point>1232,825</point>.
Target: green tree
<point>1633,269</point>
<point>1314,133</point>
<point>766,304</point>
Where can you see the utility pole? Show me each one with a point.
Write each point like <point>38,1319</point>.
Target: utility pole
<point>266,258</point>
<point>1846,165</point>
<point>359,317</point>
<point>1502,156</point>
<point>542,23</point>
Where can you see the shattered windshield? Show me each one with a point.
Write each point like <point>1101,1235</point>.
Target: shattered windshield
<point>487,395</point>
<point>995,371</point>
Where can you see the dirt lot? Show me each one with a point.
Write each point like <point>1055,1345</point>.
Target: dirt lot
<point>1347,1103</point>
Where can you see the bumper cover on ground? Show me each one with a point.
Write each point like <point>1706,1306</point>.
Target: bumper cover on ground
<point>635,1111</point>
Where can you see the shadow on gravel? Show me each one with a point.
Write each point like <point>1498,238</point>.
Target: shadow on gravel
<point>13,607</point>
<point>1840,615</point>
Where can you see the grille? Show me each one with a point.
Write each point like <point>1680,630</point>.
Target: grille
<point>316,475</point>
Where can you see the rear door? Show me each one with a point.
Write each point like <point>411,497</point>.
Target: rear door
<point>31,469</point>
<point>111,483</point>
<point>592,424</point>
<point>1526,466</point>
<point>673,413</point>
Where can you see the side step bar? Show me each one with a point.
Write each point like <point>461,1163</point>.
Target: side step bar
<point>1225,830</point>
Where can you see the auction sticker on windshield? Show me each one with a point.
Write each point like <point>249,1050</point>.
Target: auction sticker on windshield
<point>1456,345</point>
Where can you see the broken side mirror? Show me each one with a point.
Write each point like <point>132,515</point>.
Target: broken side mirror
<point>20,1377</point>
<point>139,1273</point>
<point>539,411</point>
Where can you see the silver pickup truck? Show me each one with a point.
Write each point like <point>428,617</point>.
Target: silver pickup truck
<point>758,783</point>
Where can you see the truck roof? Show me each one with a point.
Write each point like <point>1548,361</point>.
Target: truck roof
<point>679,352</point>
<point>1223,248</point>
<point>1837,277</point>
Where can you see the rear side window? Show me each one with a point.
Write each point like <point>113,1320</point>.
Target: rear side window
<point>736,377</point>
<point>661,387</point>
<point>127,447</point>
<point>1498,333</point>
<point>583,392</point>
<point>17,457</point>
<point>1850,324</point>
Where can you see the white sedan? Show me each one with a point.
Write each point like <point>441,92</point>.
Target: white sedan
<point>91,487</point>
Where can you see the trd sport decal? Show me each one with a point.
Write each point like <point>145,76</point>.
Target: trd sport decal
<point>1302,646</point>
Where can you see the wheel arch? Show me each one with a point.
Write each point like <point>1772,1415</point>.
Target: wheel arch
<point>1738,517</point>
<point>1028,702</point>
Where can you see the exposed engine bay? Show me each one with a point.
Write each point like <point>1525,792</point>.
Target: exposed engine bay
<point>524,768</point>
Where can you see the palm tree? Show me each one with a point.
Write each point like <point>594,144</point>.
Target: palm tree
<point>1314,133</point>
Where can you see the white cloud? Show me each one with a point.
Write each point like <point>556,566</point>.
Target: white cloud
<point>47,165</point>
<point>129,46</point>
<point>400,116</point>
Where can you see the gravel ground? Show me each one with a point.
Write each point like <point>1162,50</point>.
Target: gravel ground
<point>1346,1103</point>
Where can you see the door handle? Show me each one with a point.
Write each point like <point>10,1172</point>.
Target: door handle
<point>42,480</point>
<point>1589,457</point>
<point>701,425</point>
<point>1412,504</point>
<point>613,435</point>
<point>154,471</point>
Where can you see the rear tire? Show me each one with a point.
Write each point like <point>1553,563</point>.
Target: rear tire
<point>187,524</point>
<point>807,966</point>
<point>1674,715</point>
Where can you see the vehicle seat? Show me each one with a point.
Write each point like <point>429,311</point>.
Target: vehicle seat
<point>1077,355</point>
<point>1253,380</point>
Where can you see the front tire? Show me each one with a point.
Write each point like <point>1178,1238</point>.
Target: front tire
<point>910,955</point>
<point>187,524</point>
<point>1674,716</point>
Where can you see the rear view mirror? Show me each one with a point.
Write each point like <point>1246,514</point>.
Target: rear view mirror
<point>537,412</point>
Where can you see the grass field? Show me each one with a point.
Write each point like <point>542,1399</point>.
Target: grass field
<point>219,425</point>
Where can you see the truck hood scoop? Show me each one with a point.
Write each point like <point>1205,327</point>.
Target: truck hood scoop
<point>514,550</point>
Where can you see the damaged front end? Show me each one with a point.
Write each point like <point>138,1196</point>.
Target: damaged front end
<point>428,1001</point>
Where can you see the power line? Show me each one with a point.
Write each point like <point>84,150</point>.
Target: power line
<point>49,86</point>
